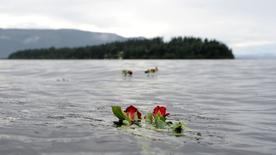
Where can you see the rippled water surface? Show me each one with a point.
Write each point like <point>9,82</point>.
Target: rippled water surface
<point>64,107</point>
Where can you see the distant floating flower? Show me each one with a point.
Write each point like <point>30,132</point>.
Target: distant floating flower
<point>151,70</point>
<point>127,72</point>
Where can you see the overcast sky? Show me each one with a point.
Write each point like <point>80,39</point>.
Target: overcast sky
<point>247,26</point>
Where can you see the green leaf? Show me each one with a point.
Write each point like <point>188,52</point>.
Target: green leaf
<point>149,118</point>
<point>137,123</point>
<point>118,112</point>
<point>159,122</point>
<point>161,117</point>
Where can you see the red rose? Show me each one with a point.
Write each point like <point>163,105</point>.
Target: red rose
<point>161,110</point>
<point>131,111</point>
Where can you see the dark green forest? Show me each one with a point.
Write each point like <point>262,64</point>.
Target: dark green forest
<point>156,48</point>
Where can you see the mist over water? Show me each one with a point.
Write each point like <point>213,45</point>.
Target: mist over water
<point>64,107</point>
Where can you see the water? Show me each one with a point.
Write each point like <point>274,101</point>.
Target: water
<point>64,107</point>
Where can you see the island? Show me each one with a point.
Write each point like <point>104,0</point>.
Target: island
<point>136,48</point>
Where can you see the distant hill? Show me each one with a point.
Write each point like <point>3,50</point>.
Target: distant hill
<point>12,40</point>
<point>155,48</point>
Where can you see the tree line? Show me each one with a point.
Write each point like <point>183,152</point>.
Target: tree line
<point>155,48</point>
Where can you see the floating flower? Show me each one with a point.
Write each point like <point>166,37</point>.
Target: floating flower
<point>160,110</point>
<point>157,119</point>
<point>133,113</point>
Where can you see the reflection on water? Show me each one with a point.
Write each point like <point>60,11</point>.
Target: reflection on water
<point>63,107</point>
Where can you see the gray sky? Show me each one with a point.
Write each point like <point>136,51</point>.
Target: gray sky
<point>247,26</point>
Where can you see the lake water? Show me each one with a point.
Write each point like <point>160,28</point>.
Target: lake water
<point>64,107</point>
